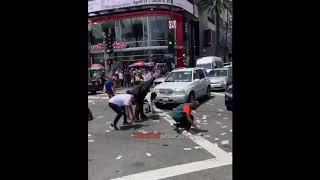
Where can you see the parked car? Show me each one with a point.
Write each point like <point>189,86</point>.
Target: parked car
<point>228,98</point>
<point>93,86</point>
<point>209,63</point>
<point>220,78</point>
<point>183,85</point>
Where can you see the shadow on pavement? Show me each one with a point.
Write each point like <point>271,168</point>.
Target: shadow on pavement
<point>154,117</point>
<point>204,100</point>
<point>198,130</point>
<point>134,127</point>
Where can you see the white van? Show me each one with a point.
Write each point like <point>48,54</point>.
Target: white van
<point>209,63</point>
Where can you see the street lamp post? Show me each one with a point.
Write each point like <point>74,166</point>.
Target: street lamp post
<point>226,43</point>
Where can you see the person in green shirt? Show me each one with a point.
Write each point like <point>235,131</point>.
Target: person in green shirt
<point>182,114</point>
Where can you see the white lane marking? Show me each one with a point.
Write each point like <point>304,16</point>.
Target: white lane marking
<point>219,153</point>
<point>220,110</point>
<point>108,122</point>
<point>148,154</point>
<point>207,135</point>
<point>204,123</point>
<point>99,117</point>
<point>224,127</point>
<point>230,130</point>
<point>198,121</point>
<point>89,135</point>
<point>90,101</point>
<point>107,131</point>
<point>93,97</point>
<point>119,157</point>
<point>175,170</point>
<point>187,149</point>
<point>91,140</point>
<point>222,134</point>
<point>219,94</point>
<point>225,142</point>
<point>219,114</point>
<point>155,121</point>
<point>218,122</point>
<point>104,98</point>
<point>225,118</point>
<point>198,147</point>
<point>217,139</point>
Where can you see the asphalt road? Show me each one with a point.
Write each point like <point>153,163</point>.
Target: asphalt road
<point>116,154</point>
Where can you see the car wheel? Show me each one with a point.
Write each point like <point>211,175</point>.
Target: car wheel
<point>208,92</point>
<point>191,97</point>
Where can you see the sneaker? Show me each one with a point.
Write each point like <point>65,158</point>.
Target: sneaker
<point>114,127</point>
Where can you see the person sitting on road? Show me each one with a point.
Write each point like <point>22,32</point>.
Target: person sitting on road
<point>108,85</point>
<point>122,105</point>
<point>183,116</point>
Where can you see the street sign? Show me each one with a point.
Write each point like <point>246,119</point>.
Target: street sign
<point>172,24</point>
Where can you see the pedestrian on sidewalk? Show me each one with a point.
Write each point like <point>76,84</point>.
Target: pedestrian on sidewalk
<point>108,86</point>
<point>183,115</point>
<point>122,105</point>
<point>121,78</point>
<point>127,78</point>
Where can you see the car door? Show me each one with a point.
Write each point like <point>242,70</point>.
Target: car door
<point>202,82</point>
<point>196,84</point>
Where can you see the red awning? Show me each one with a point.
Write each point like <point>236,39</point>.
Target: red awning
<point>96,66</point>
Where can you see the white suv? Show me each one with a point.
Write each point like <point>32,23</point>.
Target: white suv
<point>183,85</point>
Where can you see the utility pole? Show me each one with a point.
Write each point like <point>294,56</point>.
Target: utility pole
<point>226,39</point>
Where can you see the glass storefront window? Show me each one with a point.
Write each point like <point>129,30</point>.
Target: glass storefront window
<point>96,34</point>
<point>158,27</point>
<point>131,29</point>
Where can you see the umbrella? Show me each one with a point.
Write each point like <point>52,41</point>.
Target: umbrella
<point>138,64</point>
<point>96,66</point>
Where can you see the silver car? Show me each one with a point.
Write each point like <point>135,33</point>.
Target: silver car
<point>183,85</point>
<point>220,78</point>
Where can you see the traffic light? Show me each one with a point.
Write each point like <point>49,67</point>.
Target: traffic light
<point>109,44</point>
<point>171,42</point>
<point>109,62</point>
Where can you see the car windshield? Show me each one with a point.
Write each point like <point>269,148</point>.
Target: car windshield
<point>204,66</point>
<point>218,73</point>
<point>179,76</point>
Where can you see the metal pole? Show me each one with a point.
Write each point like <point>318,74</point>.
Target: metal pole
<point>226,45</point>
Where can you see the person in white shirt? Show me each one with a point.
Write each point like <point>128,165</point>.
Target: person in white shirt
<point>121,78</point>
<point>122,105</point>
<point>150,100</point>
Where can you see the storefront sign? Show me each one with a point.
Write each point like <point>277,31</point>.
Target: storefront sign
<point>97,47</point>
<point>99,5</point>
<point>172,24</point>
<point>119,45</point>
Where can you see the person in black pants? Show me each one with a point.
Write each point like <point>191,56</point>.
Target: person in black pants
<point>122,105</point>
<point>139,92</point>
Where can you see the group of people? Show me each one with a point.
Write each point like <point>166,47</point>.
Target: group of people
<point>122,105</point>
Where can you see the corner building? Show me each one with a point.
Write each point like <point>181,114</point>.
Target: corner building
<point>140,31</point>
